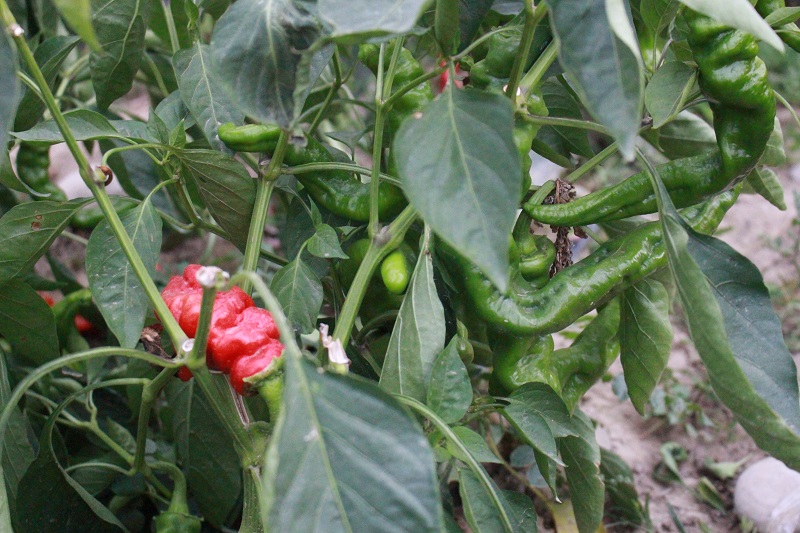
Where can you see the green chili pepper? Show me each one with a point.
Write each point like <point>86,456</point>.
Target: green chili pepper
<point>494,70</point>
<point>250,137</point>
<point>735,82</point>
<point>526,309</point>
<point>789,33</point>
<point>33,162</point>
<point>394,272</point>
<point>339,191</point>
<point>379,298</point>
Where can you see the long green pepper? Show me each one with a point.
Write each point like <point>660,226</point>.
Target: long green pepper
<point>734,80</point>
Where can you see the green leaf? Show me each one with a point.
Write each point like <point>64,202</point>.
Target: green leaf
<point>9,88</point>
<point>470,16</point>
<point>461,171</point>
<point>227,189</point>
<point>581,456</point>
<point>299,292</point>
<point>623,503</point>
<point>213,469</point>
<point>737,334</point>
<point>47,493</point>
<point>17,450</point>
<point>27,323</point>
<point>49,55</point>
<point>658,14</point>
<point>85,125</point>
<point>116,290</point>
<point>9,179</point>
<point>418,335</point>
<point>120,26</point>
<point>28,230</point>
<point>668,90</point>
<point>685,136</point>
<point>774,155</point>
<point>476,445</point>
<point>738,14</point>
<point>539,415</point>
<point>450,390</point>
<point>255,50</point>
<point>645,338</point>
<point>481,513</point>
<point>782,15</point>
<point>560,141</point>
<point>362,18</point>
<point>598,50</point>
<point>345,456</point>
<point>446,25</point>
<point>78,16</point>
<point>325,243</point>
<point>202,93</point>
<point>766,183</point>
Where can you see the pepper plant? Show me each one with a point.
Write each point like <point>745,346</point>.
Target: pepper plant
<point>380,364</point>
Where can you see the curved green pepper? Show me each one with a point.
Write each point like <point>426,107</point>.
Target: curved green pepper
<point>339,191</point>
<point>569,371</point>
<point>526,309</point>
<point>734,80</point>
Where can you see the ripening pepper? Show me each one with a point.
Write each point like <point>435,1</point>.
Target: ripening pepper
<point>243,340</point>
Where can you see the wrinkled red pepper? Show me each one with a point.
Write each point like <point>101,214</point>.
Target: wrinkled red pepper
<point>243,340</point>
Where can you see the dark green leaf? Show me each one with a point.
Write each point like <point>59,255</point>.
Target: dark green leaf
<point>85,125</point>
<point>352,18</point>
<point>418,335</point>
<point>213,469</point>
<point>559,141</point>
<point>48,495</point>
<point>227,189</point>
<point>766,183</point>
<point>737,334</point>
<point>49,55</point>
<point>539,415</point>
<point>299,291</point>
<point>9,179</point>
<point>9,88</point>
<point>581,457</point>
<point>658,14</point>
<point>774,155</point>
<point>470,16</point>
<point>325,243</point>
<point>476,445</point>
<point>667,91</point>
<point>115,288</point>
<point>645,338</point>
<point>78,16</point>
<point>346,457</point>
<point>255,51</point>
<point>203,95</point>
<point>685,136</point>
<point>599,51</point>
<point>782,15</point>
<point>449,391</point>
<point>28,230</point>
<point>27,323</point>
<point>120,27</point>
<point>461,171</point>
<point>481,513</point>
<point>623,503</point>
<point>17,450</point>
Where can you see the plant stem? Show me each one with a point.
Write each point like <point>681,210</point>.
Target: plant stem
<point>539,68</point>
<point>149,395</point>
<point>92,181</point>
<point>264,188</point>
<point>567,123</point>
<point>173,31</point>
<point>387,240</point>
<point>532,19</point>
<point>474,465</point>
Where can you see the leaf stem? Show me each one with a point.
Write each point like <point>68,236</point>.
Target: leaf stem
<point>532,19</point>
<point>380,246</point>
<point>92,180</point>
<point>473,464</point>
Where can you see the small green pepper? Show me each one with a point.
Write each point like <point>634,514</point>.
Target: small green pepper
<point>250,137</point>
<point>394,272</point>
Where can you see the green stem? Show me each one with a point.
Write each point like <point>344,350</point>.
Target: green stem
<point>178,501</point>
<point>93,181</point>
<point>532,19</point>
<point>316,167</point>
<point>567,123</point>
<point>337,83</point>
<point>251,506</point>
<point>377,142</point>
<point>387,240</point>
<point>142,146</point>
<point>264,188</point>
<point>539,68</point>
<point>413,84</point>
<point>149,395</point>
<point>473,464</point>
<point>173,31</point>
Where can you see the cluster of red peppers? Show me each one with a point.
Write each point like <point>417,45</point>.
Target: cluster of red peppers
<point>243,340</point>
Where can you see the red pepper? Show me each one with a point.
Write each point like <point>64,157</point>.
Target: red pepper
<point>444,77</point>
<point>239,330</point>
